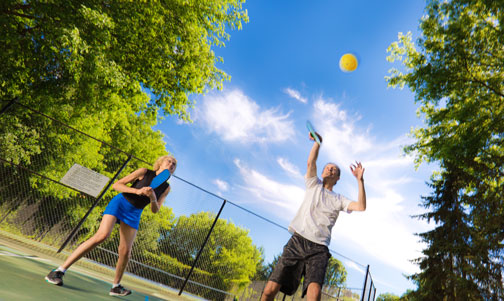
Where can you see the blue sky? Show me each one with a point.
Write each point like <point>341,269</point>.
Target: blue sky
<point>249,144</point>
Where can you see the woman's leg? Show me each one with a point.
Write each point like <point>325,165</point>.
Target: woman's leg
<point>127,237</point>
<point>106,227</point>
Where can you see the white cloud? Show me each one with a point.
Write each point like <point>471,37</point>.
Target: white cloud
<point>284,196</point>
<point>353,265</point>
<point>290,168</point>
<point>295,94</point>
<point>233,116</point>
<point>221,185</point>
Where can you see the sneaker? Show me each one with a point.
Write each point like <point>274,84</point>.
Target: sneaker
<point>119,291</point>
<point>55,277</point>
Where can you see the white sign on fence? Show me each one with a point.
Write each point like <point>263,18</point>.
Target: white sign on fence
<point>85,180</point>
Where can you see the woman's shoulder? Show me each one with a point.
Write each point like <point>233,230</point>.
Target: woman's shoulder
<point>141,172</point>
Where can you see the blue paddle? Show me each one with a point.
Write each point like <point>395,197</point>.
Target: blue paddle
<point>309,126</point>
<point>160,179</point>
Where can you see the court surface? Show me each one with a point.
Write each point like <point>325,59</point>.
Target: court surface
<point>22,278</point>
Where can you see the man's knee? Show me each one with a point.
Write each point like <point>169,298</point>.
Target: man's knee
<point>270,290</point>
<point>314,291</point>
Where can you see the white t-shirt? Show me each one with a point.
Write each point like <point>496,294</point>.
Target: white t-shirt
<point>318,212</point>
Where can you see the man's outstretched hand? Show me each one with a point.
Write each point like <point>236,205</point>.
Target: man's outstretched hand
<point>357,170</point>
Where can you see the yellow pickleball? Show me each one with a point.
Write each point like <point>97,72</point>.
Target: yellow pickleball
<point>348,62</point>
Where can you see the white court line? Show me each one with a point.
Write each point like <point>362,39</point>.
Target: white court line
<point>7,253</point>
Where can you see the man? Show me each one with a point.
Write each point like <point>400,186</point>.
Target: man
<point>307,251</point>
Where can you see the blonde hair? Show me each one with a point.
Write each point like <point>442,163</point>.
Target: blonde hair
<point>160,160</point>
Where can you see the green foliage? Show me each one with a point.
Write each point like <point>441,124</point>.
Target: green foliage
<point>172,266</point>
<point>335,273</point>
<point>86,64</point>
<point>78,51</point>
<point>408,296</point>
<point>456,70</point>
<point>387,297</point>
<point>264,270</point>
<point>13,135</point>
<point>153,226</point>
<point>229,253</point>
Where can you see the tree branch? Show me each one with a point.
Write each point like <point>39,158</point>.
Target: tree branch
<point>473,79</point>
<point>21,6</point>
<point>7,12</point>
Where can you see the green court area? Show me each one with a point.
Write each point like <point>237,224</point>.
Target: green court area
<point>22,278</point>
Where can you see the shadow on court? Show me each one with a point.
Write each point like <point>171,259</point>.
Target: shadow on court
<point>22,278</point>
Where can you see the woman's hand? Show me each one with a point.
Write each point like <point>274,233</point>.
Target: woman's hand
<point>147,191</point>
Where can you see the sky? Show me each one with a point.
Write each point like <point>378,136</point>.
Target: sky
<point>248,143</point>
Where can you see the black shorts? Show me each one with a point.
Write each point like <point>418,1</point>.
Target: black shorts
<point>300,257</point>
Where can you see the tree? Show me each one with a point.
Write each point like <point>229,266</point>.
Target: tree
<point>87,64</point>
<point>387,297</point>
<point>264,270</point>
<point>408,296</point>
<point>335,273</point>
<point>457,77</point>
<point>229,253</point>
<point>446,268</point>
<point>75,50</point>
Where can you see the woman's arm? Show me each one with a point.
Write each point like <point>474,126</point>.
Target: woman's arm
<point>121,186</point>
<point>156,204</point>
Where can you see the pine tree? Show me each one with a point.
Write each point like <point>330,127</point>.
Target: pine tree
<point>457,76</point>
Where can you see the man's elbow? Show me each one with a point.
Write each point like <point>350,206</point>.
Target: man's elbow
<point>360,208</point>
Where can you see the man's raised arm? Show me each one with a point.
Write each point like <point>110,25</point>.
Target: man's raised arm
<point>358,172</point>
<point>311,170</point>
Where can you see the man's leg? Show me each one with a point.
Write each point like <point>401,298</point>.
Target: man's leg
<point>270,291</point>
<point>314,292</point>
<point>315,271</point>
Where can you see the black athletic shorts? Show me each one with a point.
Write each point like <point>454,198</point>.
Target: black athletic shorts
<point>300,257</point>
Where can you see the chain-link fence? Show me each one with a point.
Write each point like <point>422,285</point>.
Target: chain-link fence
<point>199,243</point>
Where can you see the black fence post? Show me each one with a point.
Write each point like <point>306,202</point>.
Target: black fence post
<point>365,283</point>
<point>7,214</point>
<point>74,231</point>
<point>8,105</point>
<point>202,247</point>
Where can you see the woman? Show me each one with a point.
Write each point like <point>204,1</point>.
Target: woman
<point>125,209</point>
